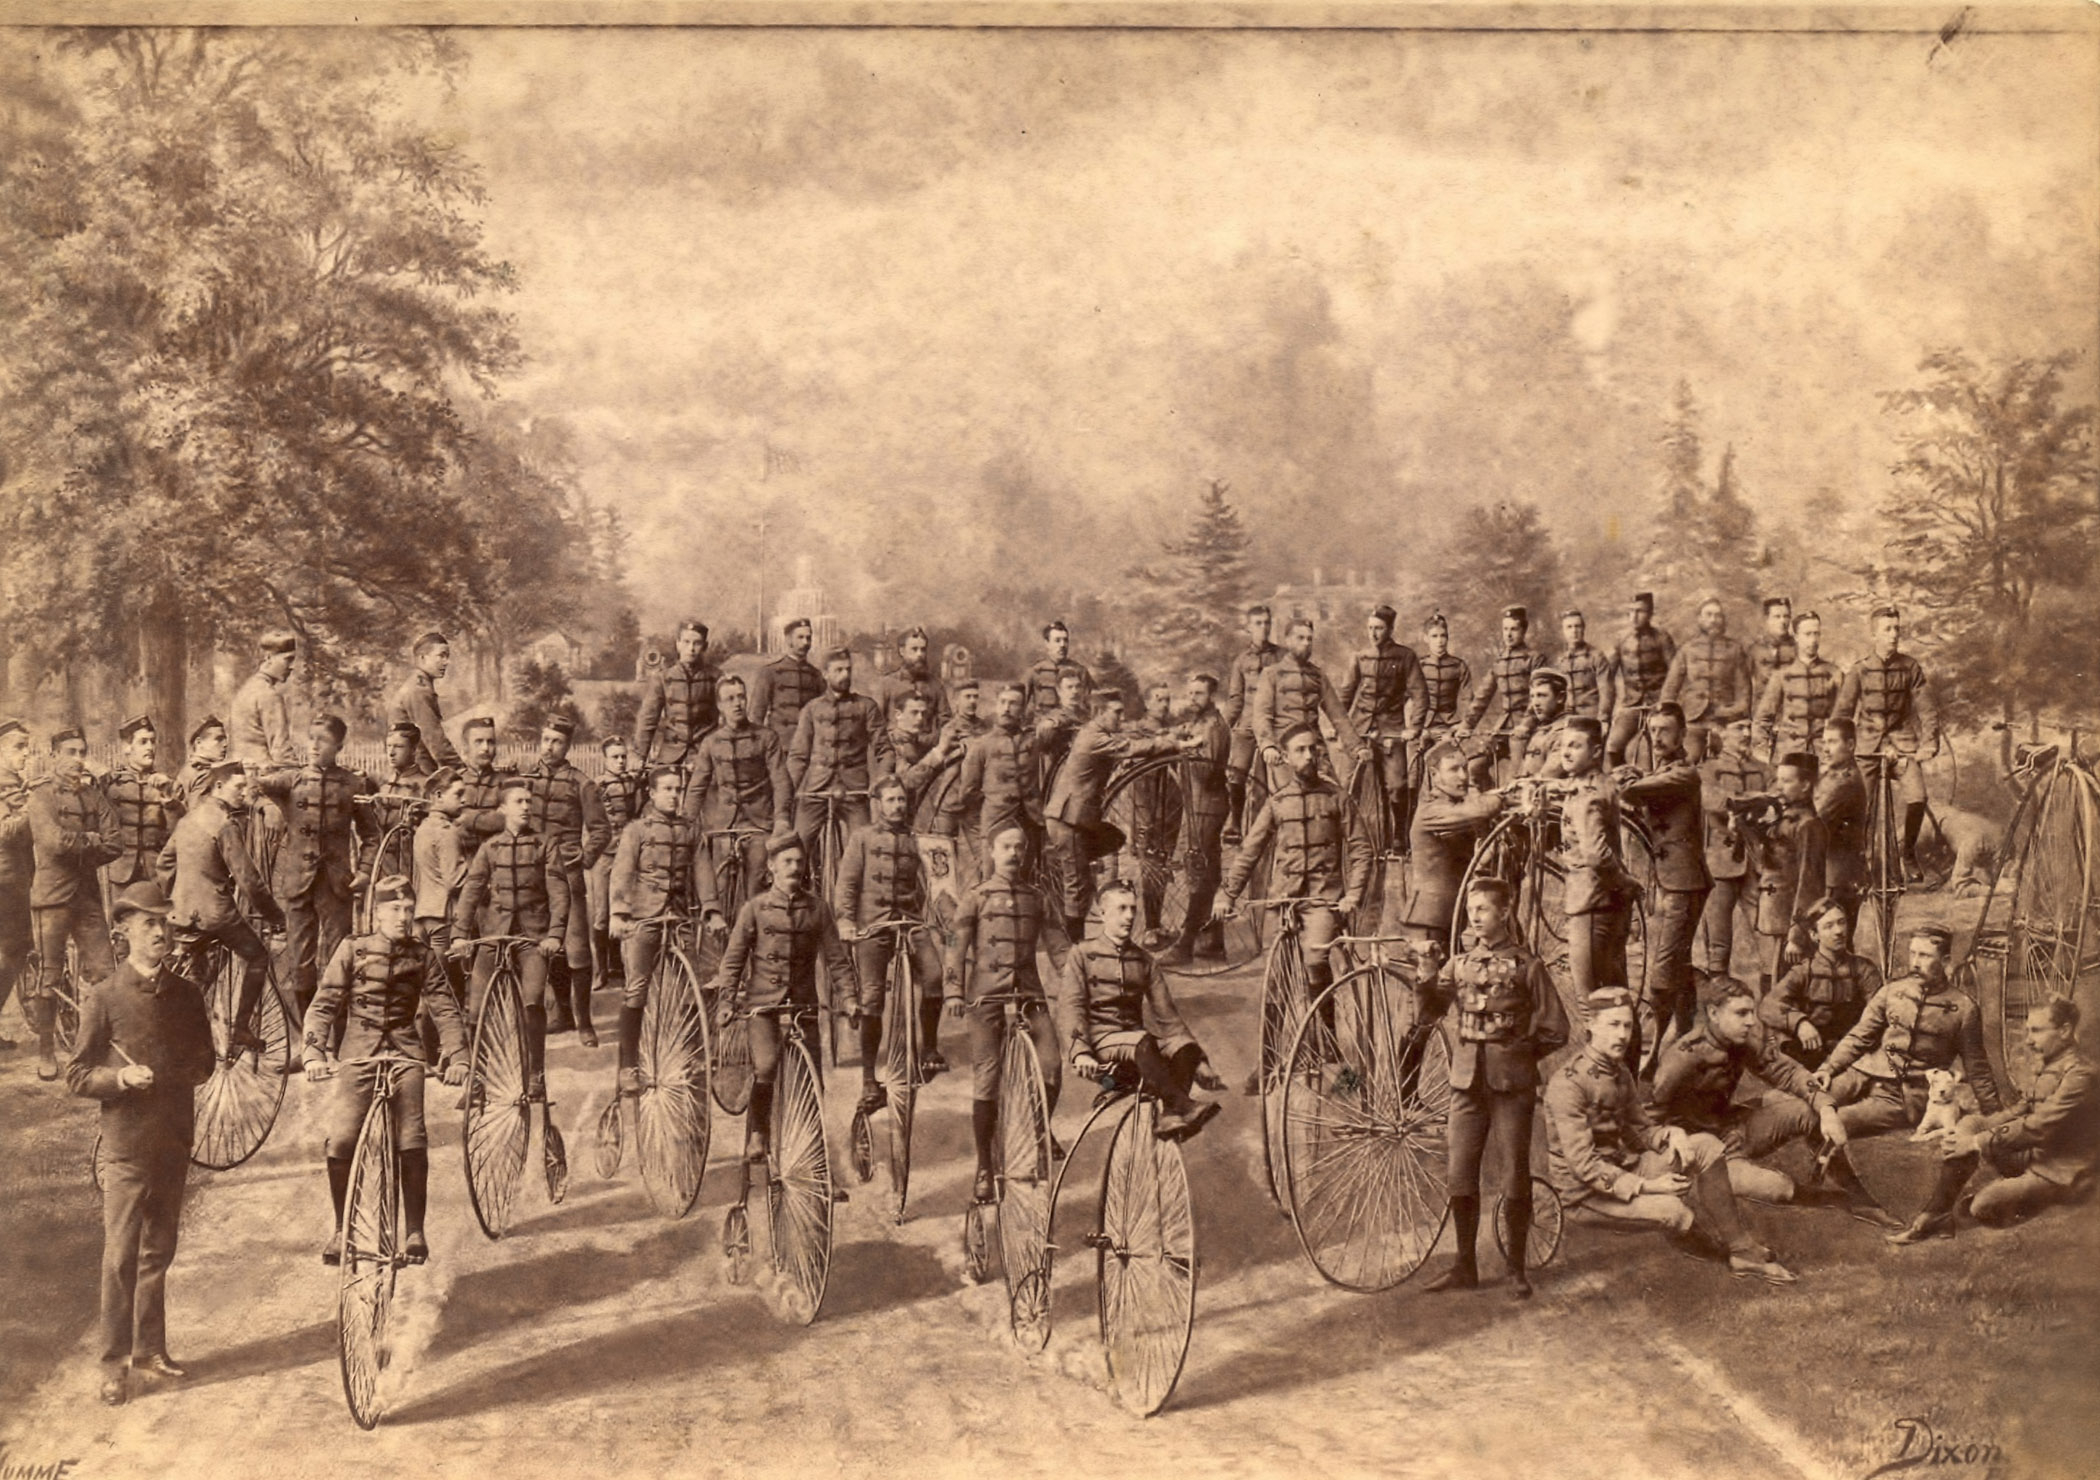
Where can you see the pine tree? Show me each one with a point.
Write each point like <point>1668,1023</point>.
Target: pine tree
<point>1500,555</point>
<point>1703,539</point>
<point>1188,604</point>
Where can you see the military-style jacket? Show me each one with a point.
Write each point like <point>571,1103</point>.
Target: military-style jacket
<point>1891,704</point>
<point>160,1024</point>
<point>740,780</point>
<point>483,817</point>
<point>370,994</point>
<point>659,868</point>
<point>900,683</point>
<point>678,707</point>
<point>1384,693</point>
<point>2053,1132</point>
<point>145,810</point>
<point>441,865</point>
<point>915,759</point>
<point>517,884</point>
<point>1789,869</point>
<point>1590,687</point>
<point>1001,776</point>
<point>259,724</point>
<point>326,828</point>
<point>201,865</point>
<point>1697,1076</point>
<point>1592,850</point>
<point>783,940</point>
<point>17,846</point>
<point>1445,683</point>
<point>1728,845</point>
<point>780,690</point>
<point>1248,665</point>
<point>74,833</point>
<point>1908,1028</point>
<point>1114,994</point>
<point>1793,705</point>
<point>1770,655</point>
<point>1501,1014</point>
<point>841,744</point>
<point>1639,664</point>
<point>1710,677</point>
<point>1596,1130</point>
<point>880,875</point>
<point>1294,693</point>
<point>1509,678</point>
<point>1537,744</point>
<point>620,793</point>
<point>1082,781</point>
<point>1441,843</point>
<point>1667,801</point>
<point>568,811</point>
<point>1043,679</point>
<point>992,944</point>
<point>1827,991</point>
<point>416,702</point>
<point>1317,855</point>
<point>1841,801</point>
<point>1208,771</point>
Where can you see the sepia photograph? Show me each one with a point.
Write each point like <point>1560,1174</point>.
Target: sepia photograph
<point>1049,739</point>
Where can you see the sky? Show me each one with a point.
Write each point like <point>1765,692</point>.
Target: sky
<point>969,309</point>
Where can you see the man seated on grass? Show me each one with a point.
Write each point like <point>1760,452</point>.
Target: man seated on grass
<point>1607,1158</point>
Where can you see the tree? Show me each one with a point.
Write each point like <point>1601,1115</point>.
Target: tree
<point>623,647</point>
<point>249,347</point>
<point>541,692</point>
<point>1500,555</point>
<point>1188,605</point>
<point>1993,533</point>
<point>1702,540</point>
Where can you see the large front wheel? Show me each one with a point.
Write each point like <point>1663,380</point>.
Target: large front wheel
<point>900,1053</point>
<point>1026,1170</point>
<point>498,1117</point>
<point>1283,996</point>
<point>673,1122</point>
<point>1145,1262</point>
<point>238,1104</point>
<point>371,1256</point>
<point>800,1193</point>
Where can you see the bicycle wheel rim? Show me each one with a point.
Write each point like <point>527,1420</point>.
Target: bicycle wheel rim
<point>1148,805</point>
<point>1145,1263</point>
<point>498,1121</point>
<point>800,1195</point>
<point>370,1250</point>
<point>1025,1166</point>
<point>1283,997</point>
<point>1884,883</point>
<point>237,1106</point>
<point>1366,1102</point>
<point>730,1082</point>
<point>1547,1222</point>
<point>65,1020</point>
<point>673,1121</point>
<point>900,1052</point>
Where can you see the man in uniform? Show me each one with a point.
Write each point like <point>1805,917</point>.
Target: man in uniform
<point>1241,681</point>
<point>1606,1156</point>
<point>330,839</point>
<point>1318,857</point>
<point>841,746</point>
<point>658,869</point>
<point>205,869</point>
<point>913,675</point>
<point>991,954</point>
<point>1724,776</point>
<point>968,721</point>
<point>485,781</point>
<point>1448,826</point>
<point>1294,691</point>
<point>1841,801</point>
<point>1056,728</point>
<point>1535,743</point>
<point>398,805</point>
<point>783,935</point>
<point>2042,1148</point>
<point>1056,662</point>
<point>516,884</point>
<point>17,867</point>
<point>918,751</point>
<point>881,877</point>
<point>1388,702</point>
<point>1206,802</point>
<point>1508,1017</point>
<point>787,683</point>
<point>440,853</point>
<point>1597,897</point>
<point>569,813</point>
<point>1775,648</point>
<point>209,745</point>
<point>1710,677</point>
<point>1818,1001</point>
<point>1448,682</point>
<point>1797,699</point>
<point>1666,798</point>
<point>1876,1074</point>
<point>416,703</point>
<point>1789,860</point>
<point>144,1047</point>
<point>1639,665</point>
<point>1117,1009</point>
<point>1509,679</point>
<point>74,834</point>
<point>1587,668</point>
<point>620,792</point>
<point>144,804</point>
<point>999,785</point>
<point>739,786</point>
<point>678,703</point>
<point>374,993</point>
<point>1076,833</point>
<point>1697,1087</point>
<point>261,717</point>
<point>1888,699</point>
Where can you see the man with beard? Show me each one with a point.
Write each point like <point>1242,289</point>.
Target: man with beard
<point>841,746</point>
<point>913,675</point>
<point>1387,700</point>
<point>787,683</point>
<point>1709,678</point>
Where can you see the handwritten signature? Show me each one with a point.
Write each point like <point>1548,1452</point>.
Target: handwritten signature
<point>1923,1446</point>
<point>12,1468</point>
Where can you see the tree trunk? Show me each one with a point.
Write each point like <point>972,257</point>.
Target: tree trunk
<point>164,649</point>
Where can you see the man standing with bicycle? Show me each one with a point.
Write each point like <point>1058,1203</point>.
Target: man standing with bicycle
<point>73,834</point>
<point>1598,896</point>
<point>1709,678</point>
<point>740,784</point>
<point>1446,682</point>
<point>621,791</point>
<point>841,745</point>
<point>205,868</point>
<point>881,878</point>
<point>999,787</point>
<point>991,955</point>
<point>678,703</point>
<point>1727,774</point>
<point>373,994</point>
<point>569,813</point>
<point>1889,700</point>
<point>517,884</point>
<point>1241,682</point>
<point>1640,664</point>
<point>658,870</point>
<point>1077,833</point>
<point>1666,798</point>
<point>1841,801</point>
<point>144,1047</point>
<point>1294,691</point>
<point>1387,700</point>
<point>1509,679</point>
<point>1206,805</point>
<point>1448,827</point>
<point>319,868</point>
<point>399,800</point>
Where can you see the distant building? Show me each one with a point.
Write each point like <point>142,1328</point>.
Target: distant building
<point>804,599</point>
<point>554,648</point>
<point>1348,601</point>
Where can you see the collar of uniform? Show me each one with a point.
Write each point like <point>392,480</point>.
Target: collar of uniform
<point>1517,648</point>
<point>903,826</point>
<point>269,678</point>
<point>782,896</point>
<point>1596,1063</point>
<point>1123,947</point>
<point>2068,1051</point>
<point>1476,941</point>
<point>422,680</point>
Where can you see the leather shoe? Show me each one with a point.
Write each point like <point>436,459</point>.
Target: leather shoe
<point>161,1365</point>
<point>114,1389</point>
<point>1457,1277</point>
<point>1923,1227</point>
<point>1875,1215</point>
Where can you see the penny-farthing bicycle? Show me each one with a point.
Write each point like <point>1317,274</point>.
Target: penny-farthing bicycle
<point>899,1070</point>
<point>1159,806</point>
<point>1285,992</point>
<point>670,1118</point>
<point>729,1078</point>
<point>1885,885</point>
<point>498,1127</point>
<point>395,855</point>
<point>1144,1243</point>
<point>238,1104</point>
<point>370,1243</point>
<point>1365,1093</point>
<point>1020,1205</point>
<point>801,1195</point>
<point>824,868</point>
